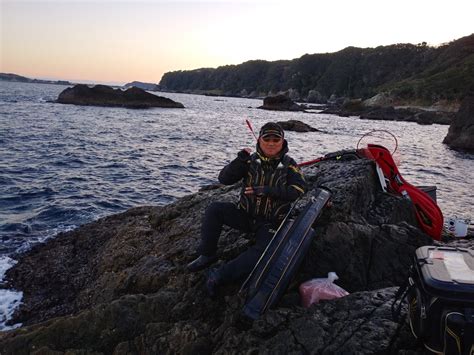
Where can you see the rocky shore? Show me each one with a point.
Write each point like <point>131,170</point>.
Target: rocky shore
<point>102,95</point>
<point>390,113</point>
<point>119,285</point>
<point>459,117</point>
<point>371,109</point>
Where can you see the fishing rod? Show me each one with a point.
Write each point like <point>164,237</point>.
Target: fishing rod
<point>249,125</point>
<point>331,156</point>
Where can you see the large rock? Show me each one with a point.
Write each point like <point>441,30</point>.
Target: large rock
<point>461,131</point>
<point>296,126</point>
<point>280,103</point>
<point>434,117</point>
<point>102,95</point>
<point>119,285</point>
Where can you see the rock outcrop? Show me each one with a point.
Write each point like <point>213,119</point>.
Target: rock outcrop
<point>297,126</point>
<point>408,114</point>
<point>142,85</point>
<point>461,131</point>
<point>280,103</point>
<point>120,285</point>
<point>102,95</point>
<point>390,113</point>
<point>382,107</point>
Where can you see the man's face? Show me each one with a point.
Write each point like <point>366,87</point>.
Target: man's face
<point>271,145</point>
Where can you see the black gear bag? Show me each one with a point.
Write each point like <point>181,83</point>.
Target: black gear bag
<point>280,261</point>
<point>440,295</point>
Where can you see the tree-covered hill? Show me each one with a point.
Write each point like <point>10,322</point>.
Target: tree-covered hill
<point>410,72</point>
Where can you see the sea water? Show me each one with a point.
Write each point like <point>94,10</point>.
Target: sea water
<point>64,165</point>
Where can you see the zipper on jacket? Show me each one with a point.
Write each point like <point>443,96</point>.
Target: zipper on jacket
<point>261,183</point>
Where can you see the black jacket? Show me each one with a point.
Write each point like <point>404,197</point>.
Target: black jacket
<point>279,180</point>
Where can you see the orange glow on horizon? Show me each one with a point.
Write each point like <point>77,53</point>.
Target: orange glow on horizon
<point>119,42</point>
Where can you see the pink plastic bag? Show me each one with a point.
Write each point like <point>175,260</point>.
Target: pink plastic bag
<point>314,290</point>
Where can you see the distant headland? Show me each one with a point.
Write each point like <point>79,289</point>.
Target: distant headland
<point>23,79</point>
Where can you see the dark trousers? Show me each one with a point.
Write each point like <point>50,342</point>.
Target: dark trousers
<point>219,214</point>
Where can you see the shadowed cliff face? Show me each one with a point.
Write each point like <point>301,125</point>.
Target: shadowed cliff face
<point>461,131</point>
<point>119,285</point>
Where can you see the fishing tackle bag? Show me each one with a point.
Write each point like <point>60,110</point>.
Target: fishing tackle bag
<point>281,259</point>
<point>440,295</point>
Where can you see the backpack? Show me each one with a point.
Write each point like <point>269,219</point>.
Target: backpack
<point>440,295</point>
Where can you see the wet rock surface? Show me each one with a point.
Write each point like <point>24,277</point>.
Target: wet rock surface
<point>120,285</point>
<point>102,95</point>
<point>461,131</point>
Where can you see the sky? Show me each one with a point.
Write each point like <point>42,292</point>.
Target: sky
<point>112,41</point>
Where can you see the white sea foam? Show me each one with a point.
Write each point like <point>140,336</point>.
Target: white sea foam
<point>9,299</point>
<point>5,264</point>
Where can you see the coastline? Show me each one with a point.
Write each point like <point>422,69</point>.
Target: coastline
<point>132,265</point>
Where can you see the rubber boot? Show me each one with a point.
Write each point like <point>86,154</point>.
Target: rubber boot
<point>201,262</point>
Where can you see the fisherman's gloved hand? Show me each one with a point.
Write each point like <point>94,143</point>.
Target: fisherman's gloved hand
<point>244,154</point>
<point>257,190</point>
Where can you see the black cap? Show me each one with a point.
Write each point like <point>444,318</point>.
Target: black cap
<point>271,129</point>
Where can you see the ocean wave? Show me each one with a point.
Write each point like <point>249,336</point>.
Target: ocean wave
<point>10,300</point>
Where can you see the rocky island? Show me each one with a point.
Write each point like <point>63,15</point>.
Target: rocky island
<point>297,126</point>
<point>102,95</point>
<point>280,103</point>
<point>119,285</point>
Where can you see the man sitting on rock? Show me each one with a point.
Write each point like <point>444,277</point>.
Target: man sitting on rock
<point>270,182</point>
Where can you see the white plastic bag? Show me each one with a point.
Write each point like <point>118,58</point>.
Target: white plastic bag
<point>314,290</point>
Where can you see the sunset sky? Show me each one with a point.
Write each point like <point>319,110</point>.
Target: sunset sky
<point>112,41</point>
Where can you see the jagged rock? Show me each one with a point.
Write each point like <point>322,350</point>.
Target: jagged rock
<point>119,285</point>
<point>280,103</point>
<point>315,97</point>
<point>430,117</point>
<point>382,99</point>
<point>296,126</point>
<point>102,95</point>
<point>461,131</point>
<point>353,105</point>
<point>389,114</point>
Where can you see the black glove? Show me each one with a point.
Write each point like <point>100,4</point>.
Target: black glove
<point>243,155</point>
<point>260,190</point>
